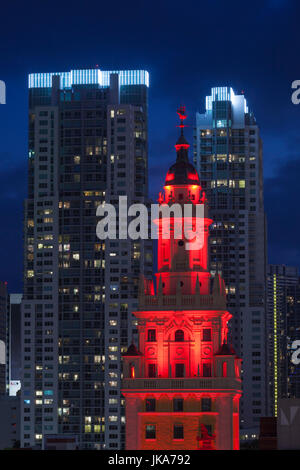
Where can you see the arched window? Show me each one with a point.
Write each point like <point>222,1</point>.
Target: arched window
<point>132,371</point>
<point>179,335</point>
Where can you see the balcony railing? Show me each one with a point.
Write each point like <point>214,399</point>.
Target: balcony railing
<point>193,383</point>
<point>195,301</point>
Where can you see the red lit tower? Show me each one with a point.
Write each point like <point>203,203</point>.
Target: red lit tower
<point>182,387</point>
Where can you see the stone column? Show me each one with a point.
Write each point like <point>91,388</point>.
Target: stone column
<point>132,431</point>
<point>224,438</point>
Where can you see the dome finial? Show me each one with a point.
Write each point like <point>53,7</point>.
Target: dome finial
<point>182,116</point>
<point>181,144</point>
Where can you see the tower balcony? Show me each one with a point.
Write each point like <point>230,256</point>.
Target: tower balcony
<point>181,301</point>
<point>196,384</point>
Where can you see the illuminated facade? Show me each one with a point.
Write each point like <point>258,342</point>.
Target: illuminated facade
<point>182,387</point>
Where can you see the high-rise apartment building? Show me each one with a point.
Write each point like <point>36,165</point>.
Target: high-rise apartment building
<point>13,344</point>
<point>283,320</point>
<point>87,146</point>
<point>3,314</point>
<point>10,422</point>
<point>228,156</point>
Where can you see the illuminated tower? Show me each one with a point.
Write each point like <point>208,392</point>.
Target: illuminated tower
<point>182,387</point>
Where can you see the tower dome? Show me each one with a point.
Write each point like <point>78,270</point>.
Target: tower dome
<point>182,171</point>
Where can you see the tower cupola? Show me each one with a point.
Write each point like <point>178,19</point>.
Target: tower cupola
<point>182,171</point>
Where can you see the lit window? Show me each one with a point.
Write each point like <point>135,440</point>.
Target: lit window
<point>150,431</point>
<point>113,418</point>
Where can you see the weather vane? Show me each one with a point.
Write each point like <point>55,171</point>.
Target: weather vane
<point>182,116</point>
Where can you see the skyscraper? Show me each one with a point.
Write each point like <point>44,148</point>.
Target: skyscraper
<point>228,156</point>
<point>182,388</point>
<point>283,320</point>
<point>87,146</point>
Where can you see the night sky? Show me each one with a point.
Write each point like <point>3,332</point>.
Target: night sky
<point>187,47</point>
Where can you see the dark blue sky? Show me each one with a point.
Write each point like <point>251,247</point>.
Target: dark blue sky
<point>187,47</point>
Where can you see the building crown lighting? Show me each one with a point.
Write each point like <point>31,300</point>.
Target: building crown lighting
<point>222,93</point>
<point>88,77</point>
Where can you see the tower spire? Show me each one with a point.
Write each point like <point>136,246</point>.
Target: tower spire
<point>181,111</point>
<point>181,145</point>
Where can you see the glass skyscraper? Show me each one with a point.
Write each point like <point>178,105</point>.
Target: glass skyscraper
<point>88,144</point>
<point>228,156</point>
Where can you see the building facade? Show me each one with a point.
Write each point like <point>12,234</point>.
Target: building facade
<point>182,387</point>
<point>228,157</point>
<point>13,344</point>
<point>3,339</point>
<point>9,422</point>
<point>288,423</point>
<point>283,306</point>
<point>88,145</point>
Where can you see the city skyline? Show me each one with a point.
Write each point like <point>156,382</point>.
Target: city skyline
<point>265,73</point>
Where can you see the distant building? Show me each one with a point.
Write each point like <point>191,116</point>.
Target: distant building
<point>9,421</point>
<point>283,324</point>
<point>13,344</point>
<point>268,433</point>
<point>3,339</point>
<point>288,424</point>
<point>292,389</point>
<point>229,159</point>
